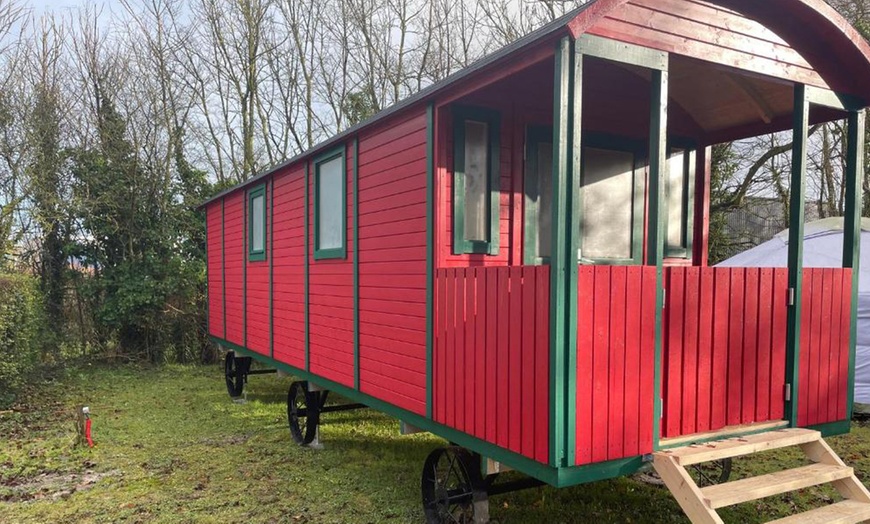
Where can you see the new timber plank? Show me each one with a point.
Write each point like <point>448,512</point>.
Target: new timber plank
<point>742,446</point>
<point>845,512</point>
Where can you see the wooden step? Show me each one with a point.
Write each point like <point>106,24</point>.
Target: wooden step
<point>754,488</point>
<point>845,512</point>
<point>737,447</point>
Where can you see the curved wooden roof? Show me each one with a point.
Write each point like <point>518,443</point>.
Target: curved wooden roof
<point>826,40</point>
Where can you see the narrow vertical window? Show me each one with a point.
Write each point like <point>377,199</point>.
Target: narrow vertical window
<point>330,206</point>
<point>476,181</point>
<point>679,196</point>
<point>257,223</point>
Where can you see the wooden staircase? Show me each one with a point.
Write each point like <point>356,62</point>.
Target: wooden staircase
<point>700,503</point>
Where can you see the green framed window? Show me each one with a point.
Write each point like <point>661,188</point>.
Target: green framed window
<point>612,199</point>
<point>679,198</point>
<point>330,205</point>
<point>538,189</point>
<point>476,188</point>
<point>257,223</point>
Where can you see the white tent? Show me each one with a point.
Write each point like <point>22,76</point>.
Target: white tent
<point>823,247</point>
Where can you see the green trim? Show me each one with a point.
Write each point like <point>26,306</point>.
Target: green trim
<point>271,266</point>
<point>796,246</point>
<point>575,475</point>
<point>256,255</point>
<point>832,429</point>
<point>852,232</point>
<point>825,97</point>
<point>461,245</point>
<point>560,255</point>
<point>513,460</point>
<point>690,160</point>
<point>535,135</point>
<point>572,219</point>
<point>622,145</point>
<point>356,370</point>
<point>307,262</point>
<point>339,252</point>
<point>207,287</point>
<point>224,262</point>
<point>613,50</point>
<point>655,256</point>
<point>430,252</point>
<point>244,277</point>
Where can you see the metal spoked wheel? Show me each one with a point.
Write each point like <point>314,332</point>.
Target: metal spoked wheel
<point>303,413</point>
<point>234,371</point>
<point>711,473</point>
<point>452,488</point>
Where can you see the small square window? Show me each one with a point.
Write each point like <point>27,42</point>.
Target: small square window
<point>330,206</point>
<point>679,192</point>
<point>257,224</point>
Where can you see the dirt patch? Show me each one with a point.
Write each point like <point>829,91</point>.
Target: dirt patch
<point>50,486</point>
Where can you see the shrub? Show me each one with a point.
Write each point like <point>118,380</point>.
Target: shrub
<point>22,326</point>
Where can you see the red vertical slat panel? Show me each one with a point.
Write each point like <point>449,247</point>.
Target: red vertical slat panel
<point>721,319</point>
<point>674,355</point>
<point>750,345</point>
<point>705,349</point>
<point>516,363</point>
<point>503,421</point>
<point>836,344</point>
<point>766,300</point>
<point>827,375</point>
<point>600,364</point>
<point>452,327</point>
<point>648,330</point>
<point>844,347</point>
<point>616,368</point>
<point>585,350</point>
<point>527,409</point>
<point>468,372</point>
<point>634,304</point>
<point>734,409</point>
<point>805,354</point>
<point>459,367</point>
<point>689,403</point>
<point>492,376</point>
<point>778,343</point>
<point>815,344</point>
<point>480,363</point>
<point>542,365</point>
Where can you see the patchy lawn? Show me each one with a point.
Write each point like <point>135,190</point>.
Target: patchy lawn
<point>172,447</point>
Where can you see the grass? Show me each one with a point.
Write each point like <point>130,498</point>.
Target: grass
<point>172,447</point>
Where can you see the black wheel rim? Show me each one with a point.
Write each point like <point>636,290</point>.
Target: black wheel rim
<point>711,473</point>
<point>448,487</point>
<point>302,414</point>
<point>232,373</point>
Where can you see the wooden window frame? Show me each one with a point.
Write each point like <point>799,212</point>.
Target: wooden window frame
<point>534,134</point>
<point>492,118</point>
<point>257,255</point>
<point>684,251</point>
<point>338,252</point>
<point>625,145</point>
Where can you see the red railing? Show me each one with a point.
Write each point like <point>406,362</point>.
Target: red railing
<point>491,362</point>
<point>615,356</point>
<point>826,308</point>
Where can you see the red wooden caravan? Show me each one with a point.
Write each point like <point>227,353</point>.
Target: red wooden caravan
<point>515,259</point>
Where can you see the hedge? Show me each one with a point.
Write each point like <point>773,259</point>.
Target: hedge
<point>22,325</point>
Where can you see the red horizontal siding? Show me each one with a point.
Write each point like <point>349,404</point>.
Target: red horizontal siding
<point>824,351</point>
<point>491,355</point>
<point>330,297</point>
<point>392,263</point>
<point>235,255</point>
<point>214,225</point>
<point>724,338</point>
<point>288,272</point>
<point>615,355</point>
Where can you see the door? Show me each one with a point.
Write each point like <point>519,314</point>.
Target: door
<point>538,184</point>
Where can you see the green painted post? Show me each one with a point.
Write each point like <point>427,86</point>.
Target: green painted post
<point>656,236</point>
<point>270,254</point>
<point>801,118</point>
<point>558,269</point>
<point>430,251</point>
<point>245,271</point>
<point>224,265</point>
<point>852,234</point>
